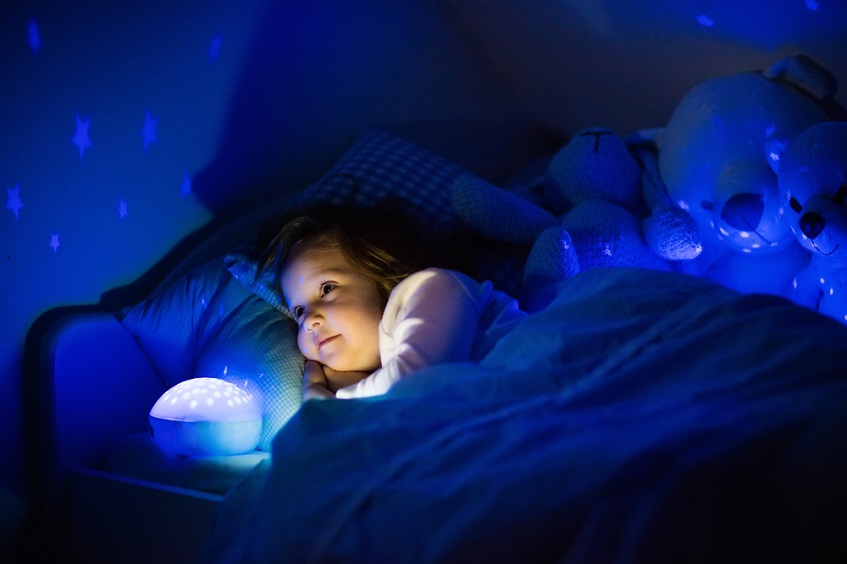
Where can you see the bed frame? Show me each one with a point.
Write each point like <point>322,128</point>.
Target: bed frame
<point>89,402</point>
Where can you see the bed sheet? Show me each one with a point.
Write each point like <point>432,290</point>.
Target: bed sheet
<point>643,416</point>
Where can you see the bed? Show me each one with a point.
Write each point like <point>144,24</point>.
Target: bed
<point>642,415</point>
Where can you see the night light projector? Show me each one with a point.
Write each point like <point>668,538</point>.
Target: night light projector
<point>206,417</point>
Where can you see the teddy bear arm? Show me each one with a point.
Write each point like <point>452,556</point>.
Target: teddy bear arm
<point>496,213</point>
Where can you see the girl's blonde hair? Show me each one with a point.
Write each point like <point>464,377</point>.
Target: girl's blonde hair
<point>381,243</point>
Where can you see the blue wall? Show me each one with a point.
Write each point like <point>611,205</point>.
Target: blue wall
<point>625,64</point>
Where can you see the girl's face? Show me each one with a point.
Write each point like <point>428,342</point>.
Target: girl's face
<point>337,308</point>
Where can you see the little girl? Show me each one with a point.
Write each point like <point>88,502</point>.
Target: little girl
<point>370,312</point>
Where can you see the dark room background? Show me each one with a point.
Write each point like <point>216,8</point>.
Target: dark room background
<point>129,128</point>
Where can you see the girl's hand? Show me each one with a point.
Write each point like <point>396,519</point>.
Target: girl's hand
<point>315,382</point>
<point>337,380</point>
<point>321,381</point>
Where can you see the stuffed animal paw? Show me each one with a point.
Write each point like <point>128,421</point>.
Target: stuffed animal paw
<point>669,231</point>
<point>551,260</point>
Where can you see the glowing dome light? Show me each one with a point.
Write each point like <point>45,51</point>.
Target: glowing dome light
<point>225,421</point>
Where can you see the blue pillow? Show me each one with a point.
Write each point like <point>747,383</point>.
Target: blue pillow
<point>209,325</point>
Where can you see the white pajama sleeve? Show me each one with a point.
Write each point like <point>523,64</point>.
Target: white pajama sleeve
<point>430,318</point>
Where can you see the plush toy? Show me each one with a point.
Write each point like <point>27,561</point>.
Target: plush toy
<point>716,158</point>
<point>821,285</point>
<point>813,182</point>
<point>713,153</point>
<point>812,173</point>
<point>589,215</point>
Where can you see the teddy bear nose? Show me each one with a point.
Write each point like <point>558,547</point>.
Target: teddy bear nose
<point>811,224</point>
<point>743,211</point>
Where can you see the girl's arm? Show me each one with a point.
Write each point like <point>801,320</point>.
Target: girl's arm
<point>431,317</point>
<point>322,382</point>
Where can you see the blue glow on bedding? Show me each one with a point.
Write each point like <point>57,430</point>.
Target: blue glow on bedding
<point>664,422</point>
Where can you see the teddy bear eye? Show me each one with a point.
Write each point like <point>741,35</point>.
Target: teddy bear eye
<point>841,195</point>
<point>795,205</point>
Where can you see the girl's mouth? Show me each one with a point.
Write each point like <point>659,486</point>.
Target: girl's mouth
<point>325,341</point>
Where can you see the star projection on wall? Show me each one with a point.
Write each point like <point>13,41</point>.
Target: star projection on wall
<point>13,201</point>
<point>185,189</point>
<point>215,48</point>
<point>149,130</point>
<point>34,36</point>
<point>81,138</point>
<point>113,139</point>
<point>705,20</point>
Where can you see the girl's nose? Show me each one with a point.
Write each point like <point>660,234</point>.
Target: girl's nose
<point>312,322</point>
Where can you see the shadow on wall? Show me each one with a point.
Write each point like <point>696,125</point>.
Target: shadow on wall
<point>315,75</point>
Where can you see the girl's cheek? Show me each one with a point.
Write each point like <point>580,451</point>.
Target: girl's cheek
<point>302,342</point>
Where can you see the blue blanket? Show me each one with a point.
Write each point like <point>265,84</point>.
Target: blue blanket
<point>643,416</point>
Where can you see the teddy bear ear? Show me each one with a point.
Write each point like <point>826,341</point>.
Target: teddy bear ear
<point>775,146</point>
<point>804,73</point>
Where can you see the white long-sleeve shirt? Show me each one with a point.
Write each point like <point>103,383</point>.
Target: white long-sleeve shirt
<point>434,316</point>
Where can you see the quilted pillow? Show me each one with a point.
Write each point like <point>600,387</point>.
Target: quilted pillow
<point>380,166</point>
<point>208,325</point>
